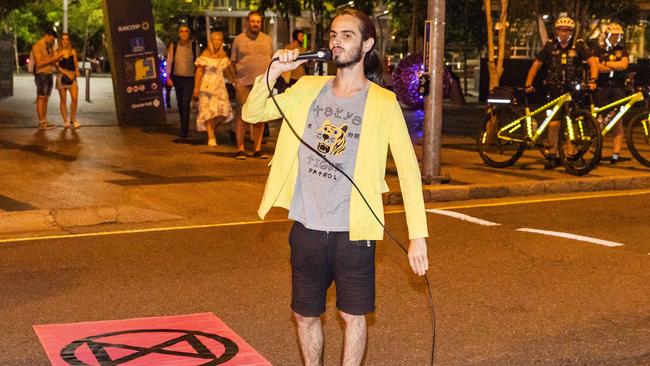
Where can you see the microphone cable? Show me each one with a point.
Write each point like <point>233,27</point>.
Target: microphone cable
<point>395,240</point>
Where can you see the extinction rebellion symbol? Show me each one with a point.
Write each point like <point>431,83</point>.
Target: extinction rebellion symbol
<point>113,349</point>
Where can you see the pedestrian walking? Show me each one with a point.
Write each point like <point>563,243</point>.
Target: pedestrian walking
<point>251,54</point>
<point>44,60</point>
<point>352,121</point>
<point>66,81</point>
<point>210,88</point>
<point>181,56</point>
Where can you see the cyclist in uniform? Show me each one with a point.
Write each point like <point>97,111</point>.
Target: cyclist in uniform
<point>613,61</point>
<point>564,59</point>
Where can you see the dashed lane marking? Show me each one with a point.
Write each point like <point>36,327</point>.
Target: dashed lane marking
<point>463,217</point>
<point>546,200</point>
<point>588,239</point>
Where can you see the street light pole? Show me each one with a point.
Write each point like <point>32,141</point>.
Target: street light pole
<point>65,16</point>
<point>433,102</point>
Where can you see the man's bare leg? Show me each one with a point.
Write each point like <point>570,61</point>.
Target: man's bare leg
<point>618,137</point>
<point>553,132</point>
<point>40,103</point>
<point>354,346</point>
<point>310,334</point>
<point>257,134</point>
<point>552,136</point>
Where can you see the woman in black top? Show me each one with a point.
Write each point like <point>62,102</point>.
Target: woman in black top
<point>66,79</point>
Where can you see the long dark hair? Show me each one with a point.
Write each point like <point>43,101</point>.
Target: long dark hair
<point>372,65</point>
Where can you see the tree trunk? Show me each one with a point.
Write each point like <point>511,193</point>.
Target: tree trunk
<point>83,52</point>
<point>503,31</point>
<point>492,72</point>
<point>207,30</point>
<point>495,69</point>
<point>16,51</point>
<point>414,32</point>
<point>541,26</point>
<point>584,21</point>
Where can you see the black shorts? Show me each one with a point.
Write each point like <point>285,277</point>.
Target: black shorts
<point>319,258</point>
<point>44,84</point>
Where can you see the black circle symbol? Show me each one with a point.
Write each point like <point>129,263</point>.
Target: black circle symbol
<point>98,348</point>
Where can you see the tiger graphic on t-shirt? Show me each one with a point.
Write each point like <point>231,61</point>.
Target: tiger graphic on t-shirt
<point>331,138</point>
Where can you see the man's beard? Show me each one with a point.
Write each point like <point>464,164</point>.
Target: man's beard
<point>353,61</point>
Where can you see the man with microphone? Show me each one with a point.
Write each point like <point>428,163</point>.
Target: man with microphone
<point>351,121</point>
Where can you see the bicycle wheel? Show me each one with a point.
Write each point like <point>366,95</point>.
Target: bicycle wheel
<point>638,137</point>
<point>501,148</point>
<point>580,143</point>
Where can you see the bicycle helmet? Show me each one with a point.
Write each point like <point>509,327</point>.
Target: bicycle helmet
<point>614,28</point>
<point>565,22</point>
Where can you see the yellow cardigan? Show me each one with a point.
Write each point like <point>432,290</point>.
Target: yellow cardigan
<point>383,125</point>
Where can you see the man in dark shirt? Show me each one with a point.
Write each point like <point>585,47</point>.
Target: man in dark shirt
<point>564,59</point>
<point>613,61</point>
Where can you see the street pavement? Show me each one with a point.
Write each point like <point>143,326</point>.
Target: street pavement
<point>502,296</point>
<point>105,174</point>
<point>115,222</point>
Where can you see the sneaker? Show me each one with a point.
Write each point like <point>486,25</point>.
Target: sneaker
<point>212,142</point>
<point>76,124</point>
<point>66,124</point>
<point>241,155</point>
<point>260,155</point>
<point>614,159</point>
<point>45,125</point>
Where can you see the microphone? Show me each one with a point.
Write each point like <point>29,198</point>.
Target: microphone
<point>323,54</point>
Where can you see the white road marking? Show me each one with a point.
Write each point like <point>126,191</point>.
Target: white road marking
<point>463,217</point>
<point>606,243</point>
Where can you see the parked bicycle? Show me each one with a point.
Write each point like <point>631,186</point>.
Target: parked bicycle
<point>638,130</point>
<point>509,129</point>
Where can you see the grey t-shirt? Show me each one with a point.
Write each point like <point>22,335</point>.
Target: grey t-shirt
<point>251,57</point>
<point>321,199</point>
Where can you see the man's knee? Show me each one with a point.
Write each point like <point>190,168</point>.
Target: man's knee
<point>306,321</point>
<point>352,319</point>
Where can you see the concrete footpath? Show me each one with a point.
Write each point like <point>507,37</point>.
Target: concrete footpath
<point>67,181</point>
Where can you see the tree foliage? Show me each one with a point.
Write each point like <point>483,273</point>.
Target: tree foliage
<point>465,25</point>
<point>7,6</point>
<point>582,11</point>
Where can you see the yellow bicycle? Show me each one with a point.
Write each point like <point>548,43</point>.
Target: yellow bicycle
<point>638,130</point>
<point>510,128</point>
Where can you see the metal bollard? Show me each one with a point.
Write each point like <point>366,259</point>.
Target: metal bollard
<point>87,75</point>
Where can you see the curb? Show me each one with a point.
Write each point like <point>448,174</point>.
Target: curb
<point>478,191</point>
<point>59,219</point>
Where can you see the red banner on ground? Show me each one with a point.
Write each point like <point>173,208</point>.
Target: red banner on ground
<point>187,340</point>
